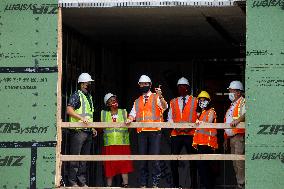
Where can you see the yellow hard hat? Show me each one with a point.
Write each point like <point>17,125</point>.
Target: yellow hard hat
<point>204,94</point>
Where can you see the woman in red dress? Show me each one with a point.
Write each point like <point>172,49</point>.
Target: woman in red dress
<point>116,141</point>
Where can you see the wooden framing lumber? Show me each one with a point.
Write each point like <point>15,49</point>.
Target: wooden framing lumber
<point>152,157</point>
<point>150,124</point>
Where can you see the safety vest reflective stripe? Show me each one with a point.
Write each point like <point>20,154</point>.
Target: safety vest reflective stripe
<point>115,136</point>
<point>111,130</point>
<point>148,112</point>
<point>86,109</point>
<point>238,109</point>
<point>191,109</point>
<point>153,109</point>
<point>237,112</point>
<point>206,136</point>
<point>124,115</point>
<point>83,102</point>
<point>188,114</point>
<point>148,118</point>
<point>209,133</point>
<point>205,117</point>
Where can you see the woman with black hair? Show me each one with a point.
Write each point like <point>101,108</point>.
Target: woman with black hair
<point>205,140</point>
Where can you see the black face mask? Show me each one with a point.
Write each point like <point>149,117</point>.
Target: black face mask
<point>144,89</point>
<point>90,88</point>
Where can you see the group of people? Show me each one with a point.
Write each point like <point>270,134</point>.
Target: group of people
<point>149,107</point>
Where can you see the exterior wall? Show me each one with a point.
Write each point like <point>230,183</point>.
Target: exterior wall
<point>264,93</point>
<point>28,77</point>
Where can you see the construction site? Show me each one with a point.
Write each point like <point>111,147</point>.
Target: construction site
<point>204,44</point>
<point>118,45</point>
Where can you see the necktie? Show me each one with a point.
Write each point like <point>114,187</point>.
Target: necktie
<point>146,99</point>
<point>183,102</point>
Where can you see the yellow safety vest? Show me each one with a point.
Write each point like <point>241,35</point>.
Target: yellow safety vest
<point>115,136</point>
<point>86,109</point>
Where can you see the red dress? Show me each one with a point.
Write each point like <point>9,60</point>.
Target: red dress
<point>113,168</point>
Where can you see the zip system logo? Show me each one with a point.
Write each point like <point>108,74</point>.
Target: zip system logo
<point>15,128</point>
<point>11,160</point>
<point>36,8</point>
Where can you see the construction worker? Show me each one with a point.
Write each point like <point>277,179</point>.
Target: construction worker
<point>80,109</point>
<point>182,109</point>
<point>149,107</point>
<point>235,115</point>
<point>116,141</point>
<point>205,140</point>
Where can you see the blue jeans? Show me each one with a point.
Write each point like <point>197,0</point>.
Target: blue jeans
<point>149,144</point>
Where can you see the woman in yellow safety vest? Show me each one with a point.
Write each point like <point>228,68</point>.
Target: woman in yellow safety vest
<point>205,140</point>
<point>116,141</point>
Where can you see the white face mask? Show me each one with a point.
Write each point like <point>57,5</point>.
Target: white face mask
<point>203,104</point>
<point>232,96</point>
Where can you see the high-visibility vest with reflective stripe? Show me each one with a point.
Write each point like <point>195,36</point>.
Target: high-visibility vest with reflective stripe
<point>206,136</point>
<point>86,109</point>
<point>188,115</point>
<point>148,112</point>
<point>115,136</point>
<point>237,112</point>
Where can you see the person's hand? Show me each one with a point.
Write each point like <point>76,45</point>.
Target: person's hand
<point>159,91</point>
<point>197,123</point>
<point>225,144</point>
<point>95,132</point>
<point>85,120</point>
<point>234,123</point>
<point>128,121</point>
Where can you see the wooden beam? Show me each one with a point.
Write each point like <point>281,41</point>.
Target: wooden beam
<point>100,188</point>
<point>59,103</point>
<point>150,124</point>
<point>152,157</point>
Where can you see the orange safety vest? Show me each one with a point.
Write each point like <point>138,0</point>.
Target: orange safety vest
<point>148,112</point>
<point>236,114</point>
<point>188,115</point>
<point>206,136</point>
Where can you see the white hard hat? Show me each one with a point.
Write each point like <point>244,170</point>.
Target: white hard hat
<point>236,85</point>
<point>108,96</point>
<point>183,81</point>
<point>84,77</point>
<point>144,79</point>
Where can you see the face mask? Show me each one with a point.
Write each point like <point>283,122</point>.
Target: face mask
<point>114,105</point>
<point>89,88</point>
<point>232,96</point>
<point>203,104</point>
<point>144,89</point>
<point>182,91</point>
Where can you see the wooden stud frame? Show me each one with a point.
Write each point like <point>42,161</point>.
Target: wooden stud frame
<point>60,158</point>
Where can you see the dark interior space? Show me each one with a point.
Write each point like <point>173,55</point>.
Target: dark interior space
<point>117,45</point>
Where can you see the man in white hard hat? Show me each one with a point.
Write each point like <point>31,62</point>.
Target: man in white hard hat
<point>80,109</point>
<point>236,114</point>
<point>182,109</point>
<point>149,107</point>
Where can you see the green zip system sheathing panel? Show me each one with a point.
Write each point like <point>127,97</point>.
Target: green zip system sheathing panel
<point>28,76</point>
<point>264,93</point>
<point>28,81</point>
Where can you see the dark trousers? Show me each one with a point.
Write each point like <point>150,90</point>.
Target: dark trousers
<point>177,143</point>
<point>80,144</point>
<point>149,144</point>
<point>205,169</point>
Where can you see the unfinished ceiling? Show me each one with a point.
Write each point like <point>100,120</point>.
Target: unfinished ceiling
<point>203,28</point>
